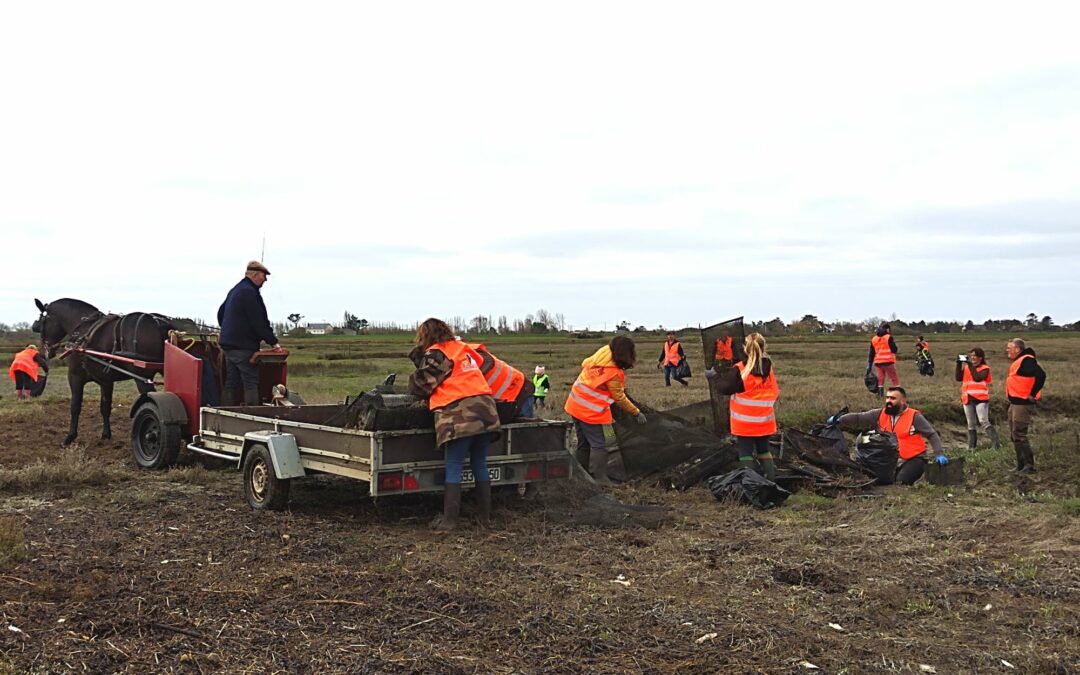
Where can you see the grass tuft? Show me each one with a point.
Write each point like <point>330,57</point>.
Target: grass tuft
<point>71,469</point>
<point>12,541</point>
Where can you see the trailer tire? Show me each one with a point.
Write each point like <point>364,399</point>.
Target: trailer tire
<point>262,488</point>
<point>155,443</point>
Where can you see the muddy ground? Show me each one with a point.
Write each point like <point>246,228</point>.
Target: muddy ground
<point>129,571</point>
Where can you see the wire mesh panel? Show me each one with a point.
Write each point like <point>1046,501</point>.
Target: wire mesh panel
<point>717,340</point>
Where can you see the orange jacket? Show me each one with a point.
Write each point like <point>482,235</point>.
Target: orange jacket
<point>464,381</point>
<point>504,380</point>
<point>753,410</point>
<point>911,444</point>
<point>24,362</point>
<point>590,398</point>
<point>970,389</point>
<point>882,352</point>
<point>1019,386</point>
<point>671,353</point>
<point>723,349</point>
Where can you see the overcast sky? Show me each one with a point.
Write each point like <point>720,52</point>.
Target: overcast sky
<point>661,163</point>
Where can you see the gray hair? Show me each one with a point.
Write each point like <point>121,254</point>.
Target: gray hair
<point>1018,343</point>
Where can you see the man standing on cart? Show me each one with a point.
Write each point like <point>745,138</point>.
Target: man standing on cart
<point>244,324</point>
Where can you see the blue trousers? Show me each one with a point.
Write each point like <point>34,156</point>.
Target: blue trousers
<point>473,447</point>
<point>669,372</point>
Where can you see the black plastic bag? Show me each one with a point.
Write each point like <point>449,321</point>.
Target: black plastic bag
<point>878,452</point>
<point>747,486</point>
<point>925,363</point>
<point>683,369</point>
<point>831,432</point>
<point>871,381</point>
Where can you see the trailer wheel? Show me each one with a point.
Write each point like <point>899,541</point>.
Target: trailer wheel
<point>155,443</point>
<point>262,488</point>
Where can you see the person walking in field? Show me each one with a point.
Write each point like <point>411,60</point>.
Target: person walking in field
<point>26,371</point>
<point>1023,387</point>
<point>671,355</point>
<point>508,384</point>
<point>466,420</point>
<point>541,385</point>
<point>754,391</point>
<point>911,429</point>
<point>601,383</point>
<point>244,324</point>
<point>882,357</point>
<point>973,374</point>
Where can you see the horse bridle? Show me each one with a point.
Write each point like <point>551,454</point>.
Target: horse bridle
<point>50,348</point>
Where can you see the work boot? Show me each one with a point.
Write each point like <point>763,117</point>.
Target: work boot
<point>1018,447</point>
<point>1029,458</point>
<point>768,468</point>
<point>582,457</point>
<point>995,442</point>
<point>483,502</point>
<point>973,439</point>
<point>451,508</point>
<point>598,467</point>
<point>230,397</point>
<point>251,397</point>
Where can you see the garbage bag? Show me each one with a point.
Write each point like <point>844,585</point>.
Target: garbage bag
<point>878,452</point>
<point>747,487</point>
<point>683,369</point>
<point>871,381</point>
<point>831,432</point>
<point>925,364</point>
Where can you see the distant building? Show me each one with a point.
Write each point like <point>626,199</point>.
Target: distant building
<point>318,328</point>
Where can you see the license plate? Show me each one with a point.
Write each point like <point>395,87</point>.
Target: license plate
<point>494,474</point>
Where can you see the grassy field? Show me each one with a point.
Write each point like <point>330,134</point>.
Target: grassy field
<point>106,568</point>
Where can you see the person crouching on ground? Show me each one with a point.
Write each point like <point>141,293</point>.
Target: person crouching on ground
<point>602,382</point>
<point>973,373</point>
<point>541,385</point>
<point>508,384</point>
<point>754,391</point>
<point>25,371</point>
<point>908,425</point>
<point>671,355</point>
<point>466,420</point>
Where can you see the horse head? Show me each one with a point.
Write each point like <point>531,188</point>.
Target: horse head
<point>58,319</point>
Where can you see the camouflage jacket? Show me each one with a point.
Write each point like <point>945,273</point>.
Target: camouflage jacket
<point>467,417</point>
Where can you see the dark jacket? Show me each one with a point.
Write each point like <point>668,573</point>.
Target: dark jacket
<point>865,421</point>
<point>663,354</point>
<point>243,319</point>
<point>892,348</point>
<point>729,380</point>
<point>1030,368</point>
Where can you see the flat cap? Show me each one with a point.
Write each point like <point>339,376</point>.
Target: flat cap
<point>256,266</point>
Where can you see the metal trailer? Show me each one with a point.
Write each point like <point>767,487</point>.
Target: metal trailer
<point>272,445</point>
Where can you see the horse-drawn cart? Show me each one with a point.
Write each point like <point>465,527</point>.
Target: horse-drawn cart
<point>274,444</point>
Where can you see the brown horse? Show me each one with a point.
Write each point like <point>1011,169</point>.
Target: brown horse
<point>74,323</point>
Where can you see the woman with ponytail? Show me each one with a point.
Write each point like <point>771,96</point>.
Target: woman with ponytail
<point>754,391</point>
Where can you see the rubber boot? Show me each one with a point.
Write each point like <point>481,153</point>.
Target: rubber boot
<point>582,456</point>
<point>230,397</point>
<point>1018,447</point>
<point>768,468</point>
<point>973,439</point>
<point>451,508</point>
<point>1028,458</point>
<point>748,463</point>
<point>251,397</point>
<point>598,467</point>
<point>483,502</point>
<point>995,442</point>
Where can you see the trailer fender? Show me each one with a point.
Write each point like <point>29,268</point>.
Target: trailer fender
<point>169,404</point>
<point>284,451</point>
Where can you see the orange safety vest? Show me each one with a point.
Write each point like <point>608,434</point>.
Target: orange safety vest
<point>24,362</point>
<point>911,443</point>
<point>504,380</point>
<point>882,353</point>
<point>671,353</point>
<point>723,349</point>
<point>590,400</point>
<point>970,389</point>
<point>465,379</point>
<point>753,411</point>
<point>1020,386</point>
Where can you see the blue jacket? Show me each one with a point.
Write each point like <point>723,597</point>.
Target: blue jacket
<point>243,320</point>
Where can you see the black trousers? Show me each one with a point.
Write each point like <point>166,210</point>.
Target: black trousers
<point>241,373</point>
<point>911,470</point>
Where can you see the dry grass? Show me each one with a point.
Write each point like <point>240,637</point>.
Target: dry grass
<point>12,541</point>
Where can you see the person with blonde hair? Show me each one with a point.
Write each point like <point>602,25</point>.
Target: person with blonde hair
<point>466,419</point>
<point>754,391</point>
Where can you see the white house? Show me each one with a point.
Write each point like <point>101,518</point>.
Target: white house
<point>318,328</point>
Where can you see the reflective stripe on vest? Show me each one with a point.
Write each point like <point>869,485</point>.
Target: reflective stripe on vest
<point>465,379</point>
<point>723,349</point>
<point>971,389</point>
<point>671,353</point>
<point>752,411</point>
<point>589,399</point>
<point>1020,386</point>
<point>882,352</point>
<point>911,442</point>
<point>24,362</point>
<point>504,380</point>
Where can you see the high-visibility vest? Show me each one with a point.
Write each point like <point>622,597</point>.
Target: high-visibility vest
<point>753,412</point>
<point>723,349</point>
<point>24,362</point>
<point>671,353</point>
<point>540,385</point>
<point>911,442</point>
<point>882,353</point>
<point>1020,386</point>
<point>465,379</point>
<point>504,380</point>
<point>590,399</point>
<point>970,389</point>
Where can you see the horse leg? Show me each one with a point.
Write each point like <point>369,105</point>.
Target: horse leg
<point>77,385</point>
<point>106,409</point>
